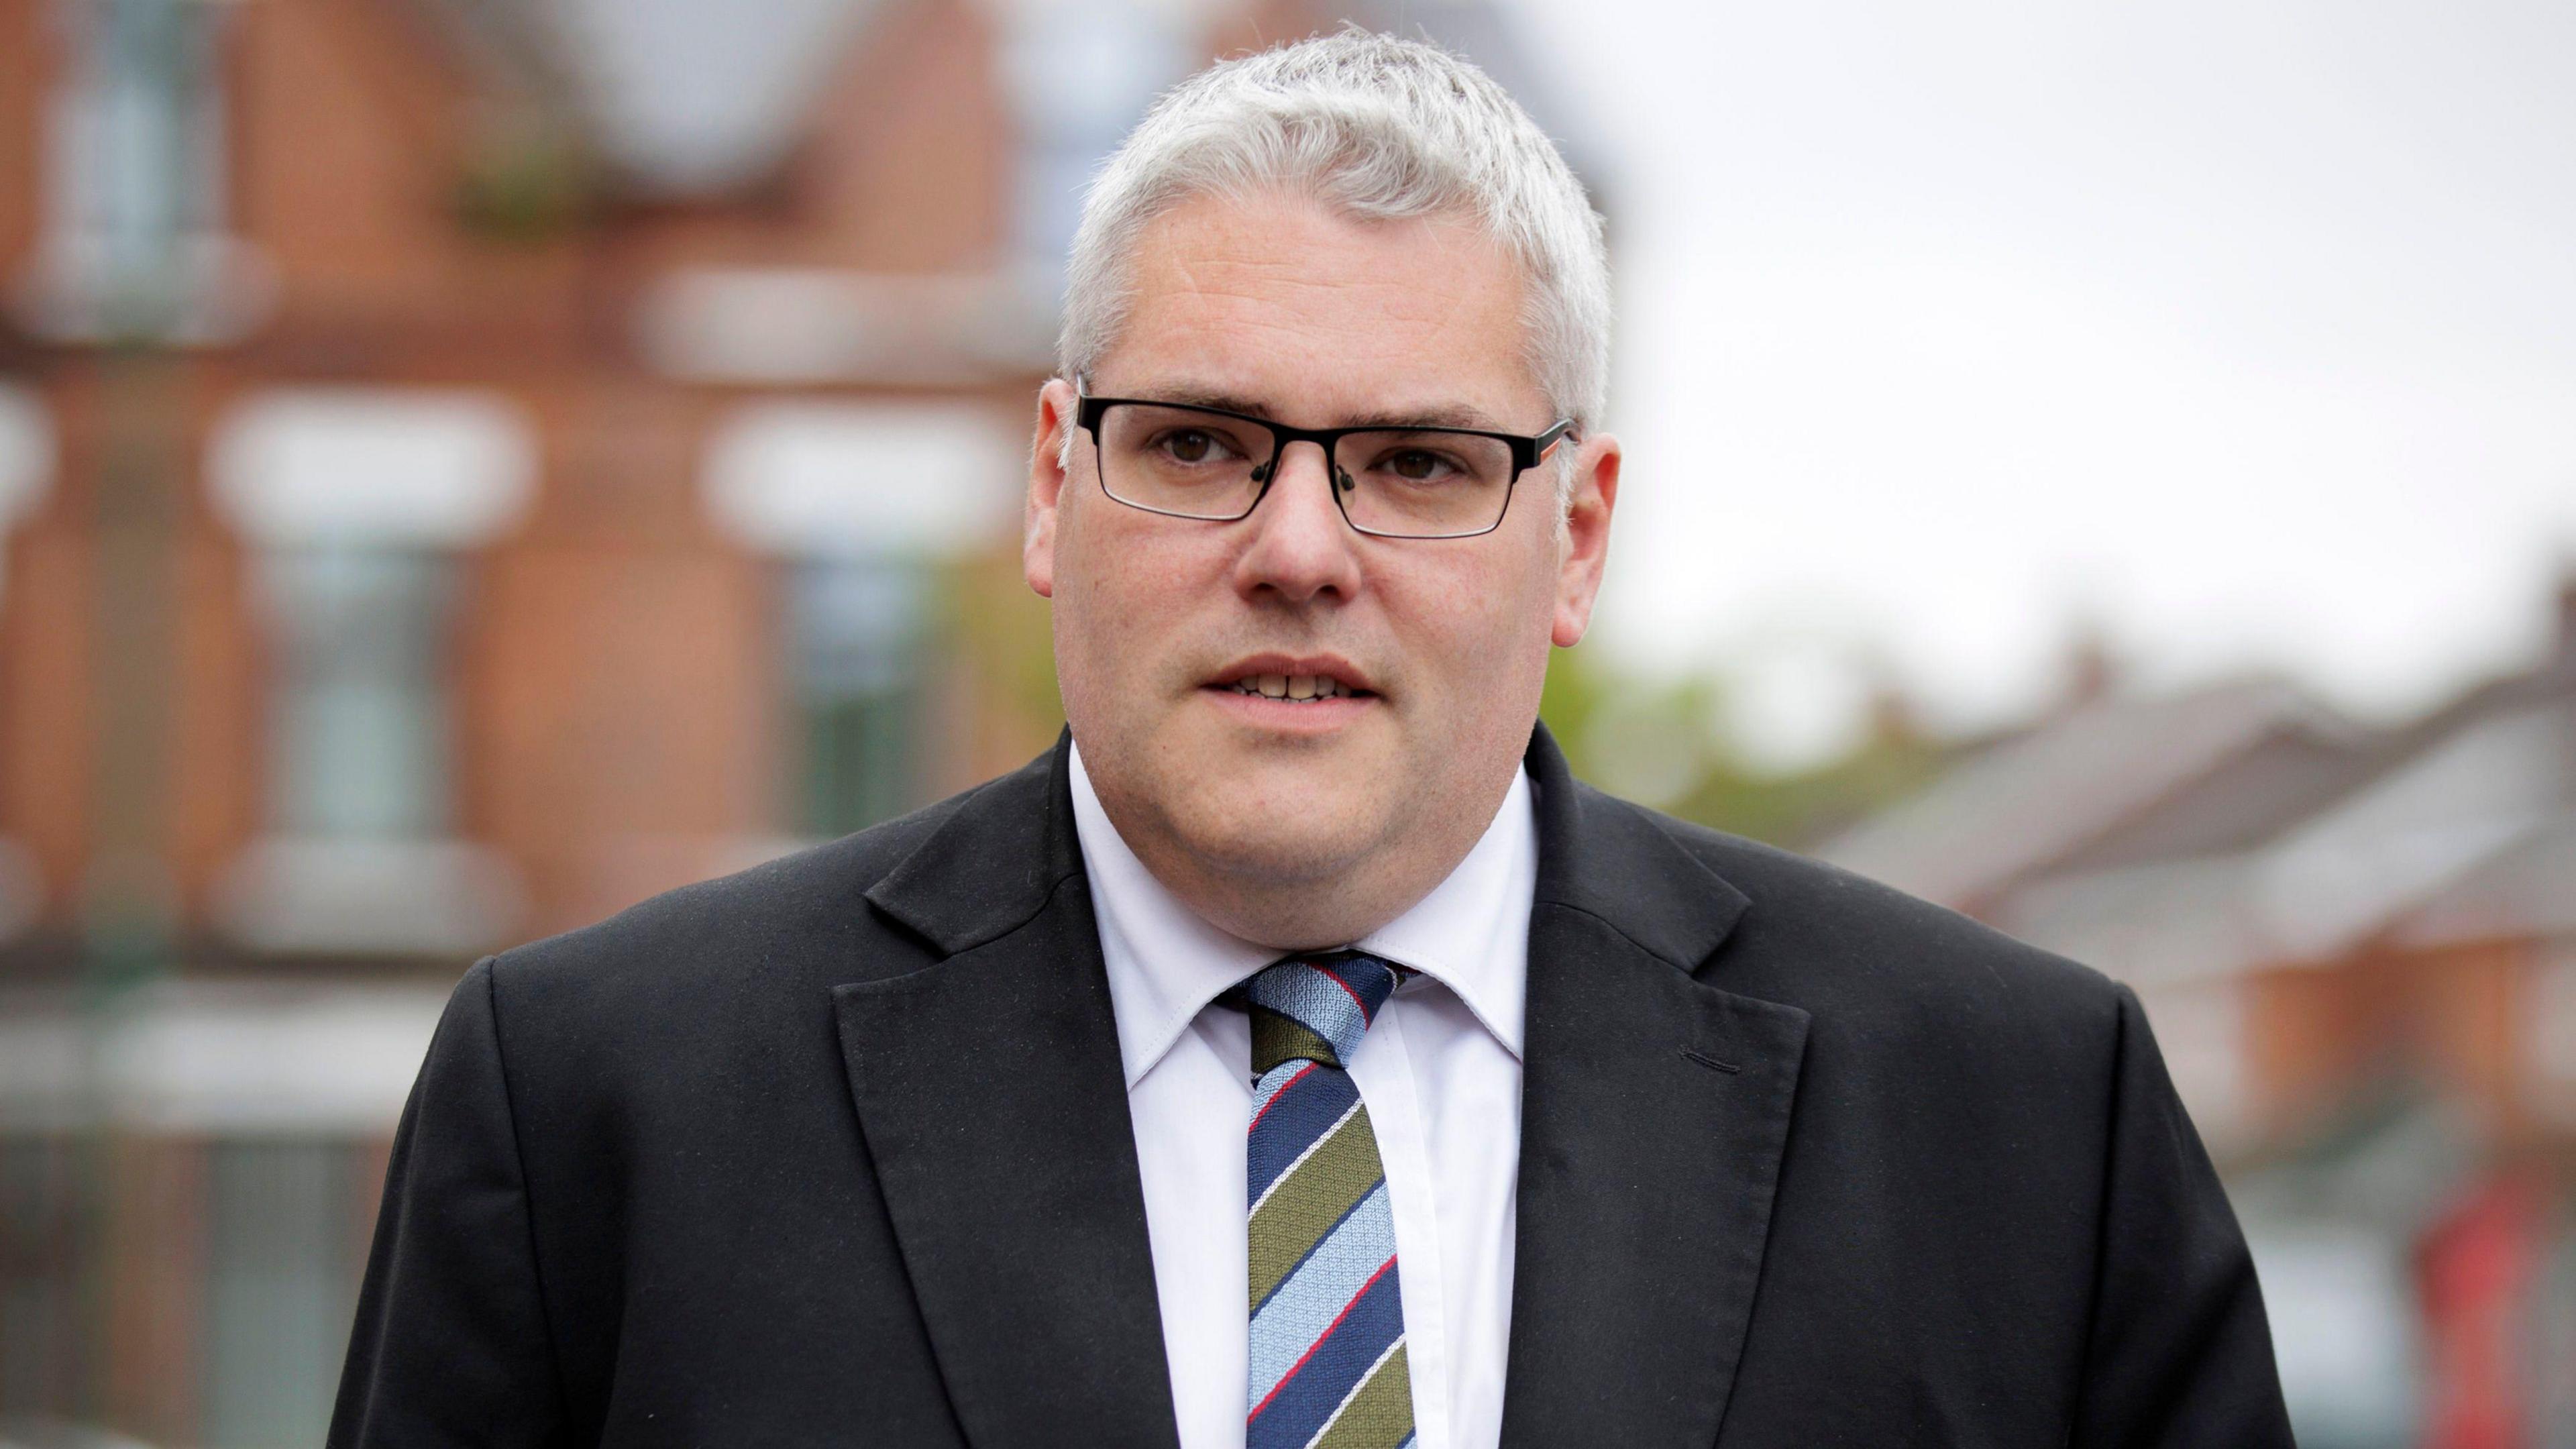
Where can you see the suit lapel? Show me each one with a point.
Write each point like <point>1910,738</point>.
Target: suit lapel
<point>1655,1108</point>
<point>995,1113</point>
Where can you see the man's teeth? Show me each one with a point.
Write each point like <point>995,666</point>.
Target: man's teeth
<point>1292,686</point>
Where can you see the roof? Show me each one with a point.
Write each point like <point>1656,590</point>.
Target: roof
<point>2526,886</point>
<point>2034,801</point>
<point>2463,827</point>
<point>2245,825</point>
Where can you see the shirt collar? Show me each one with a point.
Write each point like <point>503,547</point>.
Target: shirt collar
<point>1166,963</point>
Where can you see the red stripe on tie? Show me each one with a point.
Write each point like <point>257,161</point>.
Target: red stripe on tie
<point>1275,1096</point>
<point>1321,1339</point>
<point>1366,1016</point>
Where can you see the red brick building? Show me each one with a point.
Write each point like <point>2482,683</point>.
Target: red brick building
<point>466,465</point>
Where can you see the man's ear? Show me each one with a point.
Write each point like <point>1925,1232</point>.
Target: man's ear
<point>1586,537</point>
<point>1047,456</point>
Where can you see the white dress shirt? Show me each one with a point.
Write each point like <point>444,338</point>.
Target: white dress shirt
<point>1440,1070</point>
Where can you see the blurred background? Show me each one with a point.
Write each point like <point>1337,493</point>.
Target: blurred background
<point>467,465</point>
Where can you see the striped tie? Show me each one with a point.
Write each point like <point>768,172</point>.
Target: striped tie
<point>1327,1313</point>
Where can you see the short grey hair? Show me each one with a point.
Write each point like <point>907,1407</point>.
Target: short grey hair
<point>1378,127</point>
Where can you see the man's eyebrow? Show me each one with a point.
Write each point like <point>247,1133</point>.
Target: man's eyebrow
<point>1438,415</point>
<point>1450,415</point>
<point>1224,402</point>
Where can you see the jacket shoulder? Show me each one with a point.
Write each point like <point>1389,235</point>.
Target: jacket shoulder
<point>808,904</point>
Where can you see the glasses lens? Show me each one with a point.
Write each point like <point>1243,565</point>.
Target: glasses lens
<point>1180,460</point>
<point>1424,484</point>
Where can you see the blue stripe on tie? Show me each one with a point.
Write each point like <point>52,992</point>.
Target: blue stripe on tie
<point>1298,1116</point>
<point>1309,1396</point>
<point>1317,1290</point>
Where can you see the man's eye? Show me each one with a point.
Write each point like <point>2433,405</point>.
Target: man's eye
<point>1415,465</point>
<point>1190,445</point>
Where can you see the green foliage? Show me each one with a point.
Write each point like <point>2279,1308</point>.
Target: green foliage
<point>525,184</point>
<point>1007,636</point>
<point>1660,744</point>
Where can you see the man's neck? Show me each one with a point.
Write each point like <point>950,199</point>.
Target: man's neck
<point>1290,910</point>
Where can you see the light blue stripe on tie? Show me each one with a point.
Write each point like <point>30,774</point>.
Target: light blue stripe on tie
<point>1271,1081</point>
<point>1315,1294</point>
<point>1322,1003</point>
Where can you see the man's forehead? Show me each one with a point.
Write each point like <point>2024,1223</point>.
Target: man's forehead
<point>1428,410</point>
<point>1286,249</point>
<point>1279,306</point>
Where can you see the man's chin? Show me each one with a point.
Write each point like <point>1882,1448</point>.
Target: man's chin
<point>1265,846</point>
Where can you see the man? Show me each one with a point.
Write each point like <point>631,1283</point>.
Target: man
<point>1527,1116</point>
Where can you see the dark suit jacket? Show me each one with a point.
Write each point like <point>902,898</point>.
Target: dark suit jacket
<point>837,1151</point>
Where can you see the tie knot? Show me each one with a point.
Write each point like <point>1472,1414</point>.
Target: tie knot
<point>1315,1008</point>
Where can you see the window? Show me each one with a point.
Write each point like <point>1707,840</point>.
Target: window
<point>858,630</point>
<point>282,1267</point>
<point>357,504</point>
<point>135,142</point>
<point>358,729</point>
<point>358,501</point>
<point>864,507</point>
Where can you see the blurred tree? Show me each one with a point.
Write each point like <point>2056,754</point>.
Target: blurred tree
<point>527,179</point>
<point>1659,744</point>
<point>1007,637</point>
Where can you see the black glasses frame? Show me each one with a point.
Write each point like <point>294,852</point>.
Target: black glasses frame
<point>1527,449</point>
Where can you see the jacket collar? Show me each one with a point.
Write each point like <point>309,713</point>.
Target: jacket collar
<point>995,862</point>
<point>1610,860</point>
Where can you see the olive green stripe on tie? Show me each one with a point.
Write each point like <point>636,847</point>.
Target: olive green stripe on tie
<point>1313,1196</point>
<point>1378,1414</point>
<point>1277,1038</point>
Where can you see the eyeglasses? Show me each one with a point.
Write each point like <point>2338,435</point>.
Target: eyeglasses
<point>1207,463</point>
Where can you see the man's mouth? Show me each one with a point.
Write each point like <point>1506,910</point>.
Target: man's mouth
<point>1294,679</point>
<point>1298,687</point>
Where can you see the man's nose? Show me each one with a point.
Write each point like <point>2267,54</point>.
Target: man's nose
<point>1300,544</point>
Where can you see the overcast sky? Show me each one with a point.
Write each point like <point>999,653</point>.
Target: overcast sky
<point>2245,332</point>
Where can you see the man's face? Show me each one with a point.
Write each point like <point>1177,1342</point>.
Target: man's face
<point>1437,647</point>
